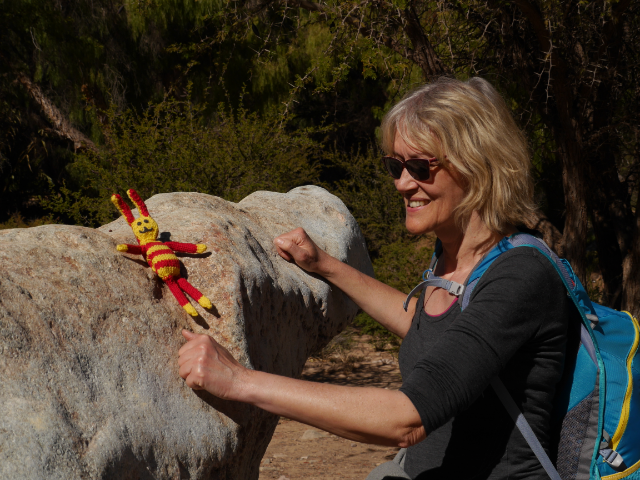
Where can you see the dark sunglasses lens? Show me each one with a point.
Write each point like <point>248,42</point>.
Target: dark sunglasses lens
<point>393,166</point>
<point>418,169</point>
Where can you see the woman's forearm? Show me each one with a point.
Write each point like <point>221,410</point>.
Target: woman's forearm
<point>368,415</point>
<point>371,415</point>
<point>380,301</point>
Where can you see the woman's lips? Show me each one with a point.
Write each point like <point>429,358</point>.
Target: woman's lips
<point>416,204</point>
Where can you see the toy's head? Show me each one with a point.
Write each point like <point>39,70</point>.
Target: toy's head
<point>144,228</point>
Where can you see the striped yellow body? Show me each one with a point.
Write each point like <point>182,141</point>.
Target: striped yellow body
<point>162,260</point>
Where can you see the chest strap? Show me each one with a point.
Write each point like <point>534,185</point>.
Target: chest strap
<point>432,280</point>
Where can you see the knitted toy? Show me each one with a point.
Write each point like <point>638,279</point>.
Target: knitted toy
<point>159,255</point>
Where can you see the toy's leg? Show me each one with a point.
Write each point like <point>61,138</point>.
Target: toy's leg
<point>194,292</point>
<point>182,300</point>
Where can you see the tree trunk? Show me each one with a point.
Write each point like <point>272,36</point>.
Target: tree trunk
<point>574,172</point>
<point>576,220</point>
<point>560,119</point>
<point>550,234</point>
<point>612,221</point>
<point>423,53</point>
<point>610,201</point>
<point>61,125</point>
<point>609,255</point>
<point>631,273</point>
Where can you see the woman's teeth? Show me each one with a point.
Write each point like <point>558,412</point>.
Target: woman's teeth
<point>417,203</point>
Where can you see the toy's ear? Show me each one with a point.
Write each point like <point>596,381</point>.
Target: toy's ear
<point>135,198</point>
<point>123,208</point>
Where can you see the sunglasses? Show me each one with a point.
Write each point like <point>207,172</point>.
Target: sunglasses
<point>418,168</point>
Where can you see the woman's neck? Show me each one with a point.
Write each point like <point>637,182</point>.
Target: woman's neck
<point>462,250</point>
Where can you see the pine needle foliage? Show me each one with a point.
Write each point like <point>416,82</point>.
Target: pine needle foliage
<point>169,148</point>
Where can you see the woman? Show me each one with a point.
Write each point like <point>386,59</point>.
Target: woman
<point>461,165</point>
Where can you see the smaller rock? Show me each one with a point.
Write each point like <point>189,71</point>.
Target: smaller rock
<point>313,435</point>
<point>282,477</point>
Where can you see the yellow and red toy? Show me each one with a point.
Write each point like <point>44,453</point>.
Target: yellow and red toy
<point>159,255</point>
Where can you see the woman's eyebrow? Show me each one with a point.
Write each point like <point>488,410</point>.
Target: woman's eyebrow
<point>422,156</point>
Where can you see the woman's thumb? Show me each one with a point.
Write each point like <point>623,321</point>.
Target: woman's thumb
<point>188,335</point>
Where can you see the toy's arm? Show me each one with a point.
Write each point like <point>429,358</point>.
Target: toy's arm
<point>186,247</point>
<point>134,249</point>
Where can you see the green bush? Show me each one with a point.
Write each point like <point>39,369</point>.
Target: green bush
<point>171,148</point>
<point>368,191</point>
<point>18,221</point>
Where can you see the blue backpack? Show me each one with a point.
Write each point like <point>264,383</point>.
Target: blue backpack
<point>598,410</point>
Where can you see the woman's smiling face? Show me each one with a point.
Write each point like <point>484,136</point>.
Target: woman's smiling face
<point>430,204</point>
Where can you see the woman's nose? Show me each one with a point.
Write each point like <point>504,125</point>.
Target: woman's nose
<point>406,182</point>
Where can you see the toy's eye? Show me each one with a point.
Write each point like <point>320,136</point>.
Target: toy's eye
<point>139,223</point>
<point>146,221</point>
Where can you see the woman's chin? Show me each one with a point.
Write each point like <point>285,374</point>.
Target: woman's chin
<point>417,228</point>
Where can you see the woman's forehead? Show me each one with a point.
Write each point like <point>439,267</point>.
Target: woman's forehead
<point>404,143</point>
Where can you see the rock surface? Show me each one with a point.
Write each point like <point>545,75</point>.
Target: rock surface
<point>89,336</point>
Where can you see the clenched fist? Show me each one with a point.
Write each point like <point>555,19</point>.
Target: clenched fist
<point>298,247</point>
<point>207,365</point>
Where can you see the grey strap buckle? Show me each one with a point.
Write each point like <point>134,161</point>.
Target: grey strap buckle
<point>452,287</point>
<point>456,289</point>
<point>613,458</point>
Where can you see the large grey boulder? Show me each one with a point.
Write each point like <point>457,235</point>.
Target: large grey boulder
<point>89,384</point>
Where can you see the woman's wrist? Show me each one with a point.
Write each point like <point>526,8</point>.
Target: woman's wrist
<point>256,388</point>
<point>325,264</point>
<point>243,386</point>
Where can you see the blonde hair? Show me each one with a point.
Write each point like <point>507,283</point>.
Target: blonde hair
<point>468,126</point>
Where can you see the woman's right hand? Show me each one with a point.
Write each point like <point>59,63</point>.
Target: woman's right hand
<point>298,247</point>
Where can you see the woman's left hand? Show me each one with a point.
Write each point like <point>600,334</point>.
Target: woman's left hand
<point>207,365</point>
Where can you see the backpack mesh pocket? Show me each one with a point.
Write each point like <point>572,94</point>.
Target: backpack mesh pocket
<point>572,434</point>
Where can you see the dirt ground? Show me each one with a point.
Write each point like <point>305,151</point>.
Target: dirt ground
<point>298,451</point>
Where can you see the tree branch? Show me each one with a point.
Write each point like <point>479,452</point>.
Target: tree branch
<point>423,53</point>
<point>61,125</point>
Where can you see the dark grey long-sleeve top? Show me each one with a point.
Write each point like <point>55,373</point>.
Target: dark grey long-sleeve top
<point>515,326</point>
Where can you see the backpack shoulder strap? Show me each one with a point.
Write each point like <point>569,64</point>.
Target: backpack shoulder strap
<point>502,393</point>
<point>524,427</point>
<point>580,299</point>
<point>503,246</point>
